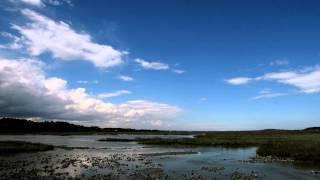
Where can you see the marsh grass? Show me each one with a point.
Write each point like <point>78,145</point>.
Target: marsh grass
<point>297,150</point>
<point>8,147</point>
<point>298,145</point>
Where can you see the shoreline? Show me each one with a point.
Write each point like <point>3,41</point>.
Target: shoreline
<point>67,162</point>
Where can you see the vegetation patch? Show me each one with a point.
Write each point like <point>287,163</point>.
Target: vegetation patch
<point>282,144</point>
<point>7,147</point>
<point>307,150</point>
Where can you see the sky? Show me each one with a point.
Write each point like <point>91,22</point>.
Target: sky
<point>170,64</point>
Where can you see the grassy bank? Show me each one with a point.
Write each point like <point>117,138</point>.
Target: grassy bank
<point>7,147</point>
<point>298,145</point>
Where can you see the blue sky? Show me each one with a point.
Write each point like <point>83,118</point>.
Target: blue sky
<point>209,65</point>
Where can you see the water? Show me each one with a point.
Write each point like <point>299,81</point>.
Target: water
<point>128,159</point>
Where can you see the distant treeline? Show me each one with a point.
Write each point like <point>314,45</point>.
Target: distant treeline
<point>13,125</point>
<point>22,125</point>
<point>312,129</point>
<point>8,125</point>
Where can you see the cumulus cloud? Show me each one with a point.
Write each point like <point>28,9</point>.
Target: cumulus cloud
<point>307,81</point>
<point>152,65</point>
<point>25,91</point>
<point>239,80</point>
<point>41,34</point>
<point>113,94</point>
<point>125,78</point>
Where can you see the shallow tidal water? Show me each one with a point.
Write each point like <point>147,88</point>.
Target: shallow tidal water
<point>88,158</point>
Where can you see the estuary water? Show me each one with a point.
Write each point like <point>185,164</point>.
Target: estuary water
<point>85,157</point>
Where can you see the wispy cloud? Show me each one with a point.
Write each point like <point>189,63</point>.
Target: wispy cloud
<point>267,93</point>
<point>88,82</point>
<point>42,3</point>
<point>113,94</point>
<point>82,82</point>
<point>178,71</point>
<point>279,62</point>
<point>16,42</point>
<point>125,78</point>
<point>155,65</point>
<point>306,80</point>
<point>33,2</point>
<point>42,34</point>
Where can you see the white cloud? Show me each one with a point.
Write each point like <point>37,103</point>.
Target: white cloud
<point>113,94</point>
<point>42,34</point>
<point>156,65</point>
<point>152,65</point>
<point>277,75</point>
<point>26,92</point>
<point>125,78</point>
<point>42,3</point>
<point>239,80</point>
<point>178,71</point>
<point>307,81</point>
<point>54,84</point>
<point>33,2</point>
